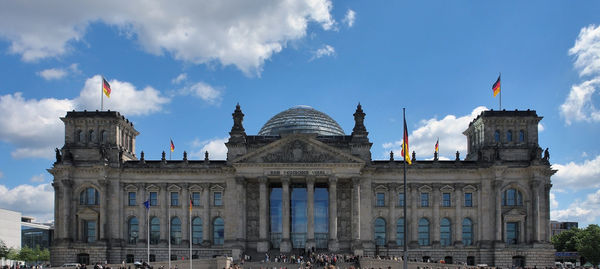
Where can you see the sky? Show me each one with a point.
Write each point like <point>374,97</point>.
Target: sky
<point>177,71</point>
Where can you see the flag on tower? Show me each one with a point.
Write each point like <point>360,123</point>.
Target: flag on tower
<point>172,145</point>
<point>405,152</point>
<point>191,203</point>
<point>147,204</point>
<point>496,86</point>
<point>437,146</point>
<point>106,87</point>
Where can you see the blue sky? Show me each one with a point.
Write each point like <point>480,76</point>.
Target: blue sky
<point>178,71</point>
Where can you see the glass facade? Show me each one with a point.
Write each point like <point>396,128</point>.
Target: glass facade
<point>321,214</point>
<point>32,237</point>
<point>275,210</point>
<point>301,119</point>
<point>299,217</point>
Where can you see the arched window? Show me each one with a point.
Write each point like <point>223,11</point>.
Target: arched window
<point>400,232</point>
<point>423,232</point>
<point>154,230</point>
<point>89,196</point>
<point>445,232</point>
<point>175,231</point>
<point>512,197</point>
<point>218,231</point>
<point>380,232</point>
<point>196,231</point>
<point>80,136</point>
<point>92,136</point>
<point>467,232</point>
<point>103,136</point>
<point>133,230</point>
<point>497,136</point>
<point>521,136</point>
<point>509,136</point>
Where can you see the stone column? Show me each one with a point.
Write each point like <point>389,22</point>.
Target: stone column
<point>286,244</point>
<point>186,236</point>
<point>356,244</point>
<point>104,201</point>
<point>143,215</point>
<point>206,227</point>
<point>241,209</point>
<point>498,205</point>
<point>392,201</point>
<point>435,219</point>
<point>165,221</point>
<point>310,215</point>
<point>333,243</point>
<point>413,222</point>
<point>458,218</point>
<point>263,215</point>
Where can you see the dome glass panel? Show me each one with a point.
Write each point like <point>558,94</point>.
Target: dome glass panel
<point>301,120</point>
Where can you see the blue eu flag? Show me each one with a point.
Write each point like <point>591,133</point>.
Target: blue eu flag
<point>147,204</point>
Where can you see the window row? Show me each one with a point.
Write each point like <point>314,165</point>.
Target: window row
<point>424,231</point>
<point>509,136</point>
<point>175,200</point>
<point>91,136</point>
<point>218,228</point>
<point>424,199</point>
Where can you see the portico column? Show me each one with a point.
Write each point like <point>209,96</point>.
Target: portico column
<point>458,218</point>
<point>497,191</point>
<point>414,222</point>
<point>333,243</point>
<point>186,237</point>
<point>310,197</point>
<point>263,216</point>
<point>104,200</point>
<point>356,244</point>
<point>286,244</point>
<point>435,238</point>
<point>391,223</point>
<point>206,228</point>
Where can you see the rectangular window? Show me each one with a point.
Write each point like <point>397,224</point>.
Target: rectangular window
<point>195,198</point>
<point>512,233</point>
<point>446,200</point>
<point>401,199</point>
<point>424,199</point>
<point>89,227</point>
<point>380,199</point>
<point>153,198</point>
<point>131,198</point>
<point>174,198</point>
<point>218,201</point>
<point>468,199</point>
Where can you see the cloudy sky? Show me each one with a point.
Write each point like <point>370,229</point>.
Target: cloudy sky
<point>177,71</point>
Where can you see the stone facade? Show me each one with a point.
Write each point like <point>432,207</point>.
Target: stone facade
<point>490,208</point>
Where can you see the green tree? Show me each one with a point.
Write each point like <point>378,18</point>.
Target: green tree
<point>3,250</point>
<point>44,255</point>
<point>27,254</point>
<point>588,243</point>
<point>565,241</point>
<point>13,254</point>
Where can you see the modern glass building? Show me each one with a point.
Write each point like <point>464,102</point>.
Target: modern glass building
<point>302,184</point>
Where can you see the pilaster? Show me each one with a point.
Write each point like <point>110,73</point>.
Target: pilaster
<point>286,244</point>
<point>333,242</point>
<point>263,216</point>
<point>310,197</point>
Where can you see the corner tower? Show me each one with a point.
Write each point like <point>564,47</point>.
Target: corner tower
<point>504,135</point>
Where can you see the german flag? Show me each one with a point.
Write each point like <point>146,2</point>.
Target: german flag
<point>405,152</point>
<point>172,145</point>
<point>106,87</point>
<point>437,146</point>
<point>496,86</point>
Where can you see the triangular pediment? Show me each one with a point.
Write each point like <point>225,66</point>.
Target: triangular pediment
<point>298,148</point>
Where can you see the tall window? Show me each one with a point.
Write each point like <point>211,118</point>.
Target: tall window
<point>89,227</point>
<point>276,218</point>
<point>218,231</point>
<point>512,233</point>
<point>424,199</point>
<point>103,136</point>
<point>446,200</point>
<point>467,232</point>
<point>175,231</point>
<point>400,232</point>
<point>195,198</point>
<point>218,199</point>
<point>497,136</point>
<point>423,232</point>
<point>92,136</point>
<point>89,196</point>
<point>196,231</point>
<point>131,198</point>
<point>133,230</point>
<point>509,136</point>
<point>521,136</point>
<point>321,216</point>
<point>445,232</point>
<point>380,199</point>
<point>401,199</point>
<point>80,136</point>
<point>468,199</point>
<point>154,230</point>
<point>512,197</point>
<point>380,231</point>
<point>153,198</point>
<point>174,198</point>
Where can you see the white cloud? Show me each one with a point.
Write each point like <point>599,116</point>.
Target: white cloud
<point>540,127</point>
<point>34,126</point>
<point>182,77</point>
<point>124,97</point>
<point>30,200</point>
<point>587,210</point>
<point>449,130</point>
<point>579,104</point>
<point>349,18</point>
<point>326,50</point>
<point>52,73</point>
<point>38,178</point>
<point>553,201</point>
<point>204,92</point>
<point>577,176</point>
<point>244,34</point>
<point>216,148</point>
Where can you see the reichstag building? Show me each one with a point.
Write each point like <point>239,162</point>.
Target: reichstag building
<point>302,183</point>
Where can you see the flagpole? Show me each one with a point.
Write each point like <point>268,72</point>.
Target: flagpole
<point>405,259</point>
<point>500,76</point>
<point>191,235</point>
<point>169,231</point>
<point>148,231</point>
<point>101,93</point>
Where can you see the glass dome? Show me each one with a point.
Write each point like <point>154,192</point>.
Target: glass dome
<point>303,120</point>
